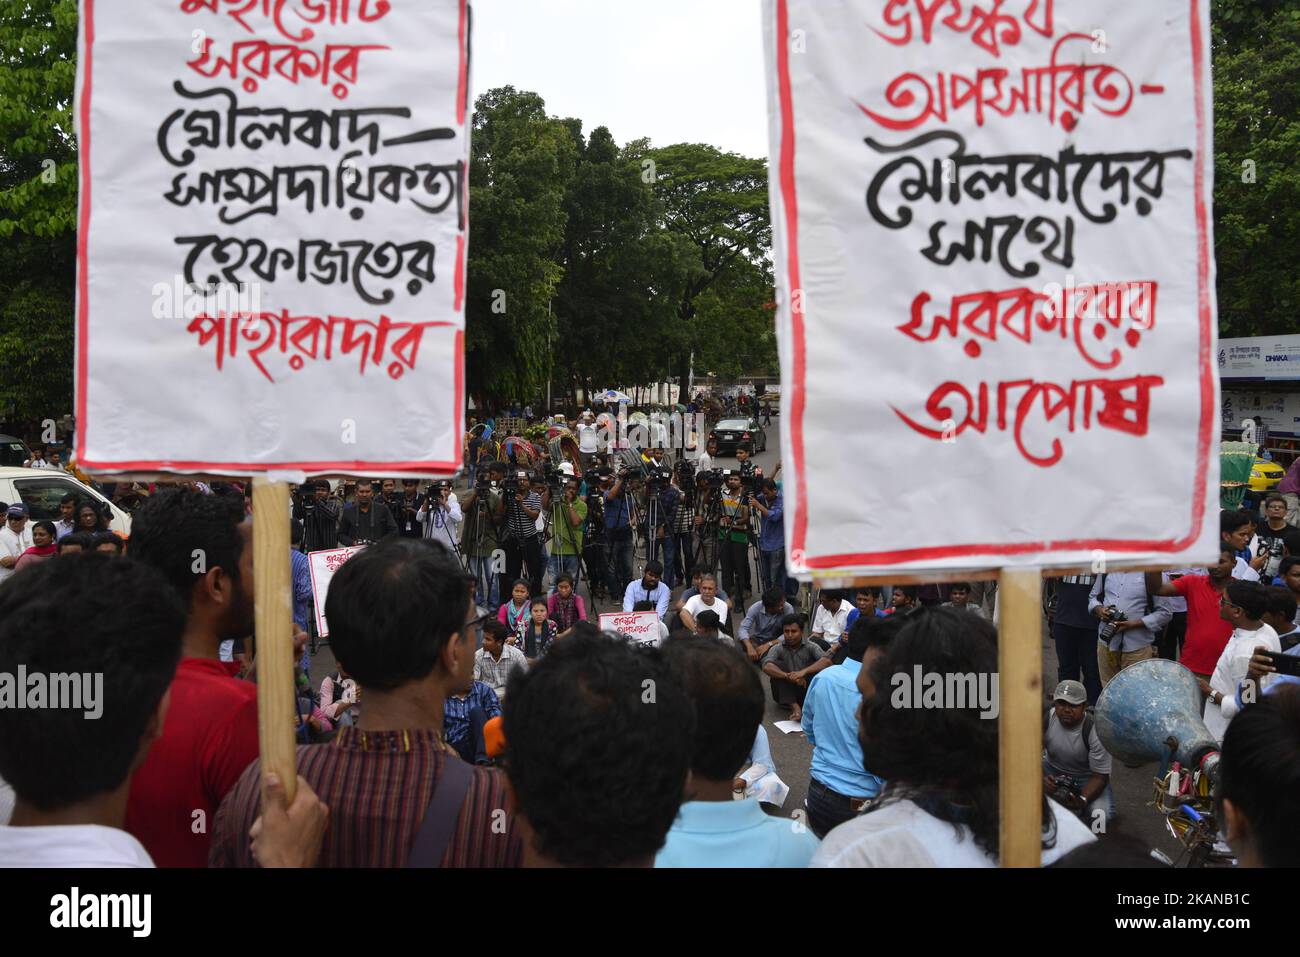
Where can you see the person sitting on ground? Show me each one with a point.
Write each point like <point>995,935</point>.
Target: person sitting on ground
<point>706,599</point>
<point>121,623</point>
<point>401,623</point>
<point>1076,765</point>
<point>761,630</point>
<point>959,597</point>
<point>709,627</point>
<point>463,717</point>
<point>673,619</point>
<point>906,598</point>
<point>939,807</point>
<point>565,606</point>
<point>866,602</point>
<point>538,633</point>
<point>712,829</point>
<point>649,588</point>
<point>515,613</point>
<point>759,779</point>
<point>598,748</point>
<point>839,786</point>
<point>1257,801</point>
<point>661,634</point>
<point>830,621</point>
<point>340,697</point>
<point>494,662</point>
<point>43,545</point>
<point>791,665</point>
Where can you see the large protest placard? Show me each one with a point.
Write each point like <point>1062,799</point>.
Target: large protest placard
<point>322,565</point>
<point>996,306</point>
<point>273,232</point>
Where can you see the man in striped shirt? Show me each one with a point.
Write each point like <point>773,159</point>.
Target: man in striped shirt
<point>402,624</point>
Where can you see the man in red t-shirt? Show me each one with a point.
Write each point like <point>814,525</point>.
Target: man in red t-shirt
<point>1207,633</point>
<point>203,546</point>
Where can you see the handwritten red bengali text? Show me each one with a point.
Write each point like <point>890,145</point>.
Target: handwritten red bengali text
<point>257,60</point>
<point>334,12</point>
<point>1063,91</point>
<point>1089,314</point>
<point>988,25</point>
<point>1122,405</point>
<point>393,345</point>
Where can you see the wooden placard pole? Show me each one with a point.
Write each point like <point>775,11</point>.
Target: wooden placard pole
<point>1020,719</point>
<point>273,618</point>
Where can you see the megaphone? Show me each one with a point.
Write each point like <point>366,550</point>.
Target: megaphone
<point>1151,711</point>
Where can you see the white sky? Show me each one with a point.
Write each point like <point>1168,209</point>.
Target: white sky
<point>673,70</point>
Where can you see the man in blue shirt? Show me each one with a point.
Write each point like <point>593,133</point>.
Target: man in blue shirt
<point>866,601</point>
<point>712,829</point>
<point>618,534</point>
<point>649,588</point>
<point>838,785</point>
<point>463,718</point>
<point>771,539</point>
<point>302,593</point>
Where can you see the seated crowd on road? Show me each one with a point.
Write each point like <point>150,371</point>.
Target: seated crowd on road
<point>478,716</point>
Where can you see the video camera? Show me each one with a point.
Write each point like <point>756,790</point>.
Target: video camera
<point>657,478</point>
<point>514,479</point>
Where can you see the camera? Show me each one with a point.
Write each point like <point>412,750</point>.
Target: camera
<point>1111,621</point>
<point>657,478</point>
<point>513,481</point>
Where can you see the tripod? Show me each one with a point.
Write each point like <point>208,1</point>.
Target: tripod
<point>554,517</point>
<point>477,524</point>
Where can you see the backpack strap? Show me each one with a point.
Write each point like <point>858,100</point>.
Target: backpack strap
<point>443,813</point>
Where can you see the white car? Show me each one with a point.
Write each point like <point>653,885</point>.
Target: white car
<point>41,490</point>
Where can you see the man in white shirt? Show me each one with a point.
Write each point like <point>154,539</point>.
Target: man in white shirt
<point>117,626</point>
<point>1244,604</point>
<point>15,538</point>
<point>38,460</point>
<point>831,619</point>
<point>67,523</point>
<point>704,461</point>
<point>588,439</point>
<point>441,516</point>
<point>707,599</point>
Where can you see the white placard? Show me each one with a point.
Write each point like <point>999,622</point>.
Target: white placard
<point>640,625</point>
<point>309,160</point>
<point>995,283</point>
<point>322,565</point>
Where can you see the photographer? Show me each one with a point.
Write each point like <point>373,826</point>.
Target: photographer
<point>1130,621</point>
<point>566,549</point>
<point>661,501</point>
<point>745,463</point>
<point>1076,765</point>
<point>440,515</point>
<point>733,538</point>
<point>319,516</point>
<point>594,549</point>
<point>406,508</point>
<point>618,534</point>
<point>365,521</point>
<point>518,510</point>
<point>480,535</point>
<point>679,544</point>
<point>771,539</point>
<point>707,486</point>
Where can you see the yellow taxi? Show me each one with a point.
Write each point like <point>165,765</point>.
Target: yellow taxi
<point>1265,476</point>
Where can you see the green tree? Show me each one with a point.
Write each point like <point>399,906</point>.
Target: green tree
<point>521,165</point>
<point>1256,49</point>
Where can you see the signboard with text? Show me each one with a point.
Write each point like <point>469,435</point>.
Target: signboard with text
<point>273,232</point>
<point>322,565</point>
<point>643,626</point>
<point>995,283</point>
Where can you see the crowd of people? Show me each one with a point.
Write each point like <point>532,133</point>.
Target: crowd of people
<point>478,716</point>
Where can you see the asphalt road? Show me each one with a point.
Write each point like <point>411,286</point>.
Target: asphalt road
<point>792,754</point>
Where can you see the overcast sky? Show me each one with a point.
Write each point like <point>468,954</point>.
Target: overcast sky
<point>673,70</point>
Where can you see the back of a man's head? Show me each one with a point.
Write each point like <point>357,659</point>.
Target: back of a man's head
<point>71,621</point>
<point>728,699</point>
<point>598,747</point>
<point>391,609</point>
<point>1259,774</point>
<point>773,599</point>
<point>183,533</point>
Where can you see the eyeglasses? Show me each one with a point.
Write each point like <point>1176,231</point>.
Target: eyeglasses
<point>474,627</point>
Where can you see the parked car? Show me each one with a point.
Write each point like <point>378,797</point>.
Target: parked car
<point>1265,476</point>
<point>729,433</point>
<point>41,490</point>
<point>13,451</point>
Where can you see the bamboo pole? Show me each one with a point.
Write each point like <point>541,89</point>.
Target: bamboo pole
<point>1020,720</point>
<point>273,617</point>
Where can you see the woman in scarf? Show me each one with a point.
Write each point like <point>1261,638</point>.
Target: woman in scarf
<point>43,547</point>
<point>565,606</point>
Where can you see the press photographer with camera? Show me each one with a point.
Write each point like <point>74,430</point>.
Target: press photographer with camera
<point>618,534</point>
<point>680,544</point>
<point>365,521</point>
<point>440,515</point>
<point>319,516</point>
<point>659,516</point>
<point>518,509</point>
<point>733,536</point>
<point>405,507</point>
<point>566,549</point>
<point>480,534</point>
<point>1130,621</point>
<point>771,540</point>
